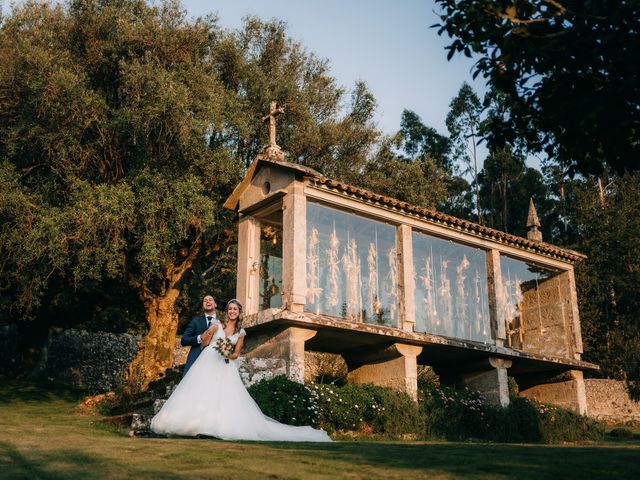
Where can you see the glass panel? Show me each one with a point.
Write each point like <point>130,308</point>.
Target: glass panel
<point>451,289</point>
<point>352,266</point>
<point>533,307</point>
<point>270,266</point>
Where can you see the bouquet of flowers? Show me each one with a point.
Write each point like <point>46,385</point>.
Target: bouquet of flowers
<point>225,348</point>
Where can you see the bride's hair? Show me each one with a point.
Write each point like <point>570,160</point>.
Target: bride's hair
<point>237,303</point>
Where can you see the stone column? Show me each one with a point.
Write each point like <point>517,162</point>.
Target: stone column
<point>286,344</point>
<point>248,264</point>
<point>294,248</point>
<point>394,367</point>
<point>406,290</point>
<point>572,299</point>
<point>497,297</point>
<point>565,390</point>
<point>493,383</point>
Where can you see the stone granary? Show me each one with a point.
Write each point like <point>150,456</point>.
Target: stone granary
<point>329,267</point>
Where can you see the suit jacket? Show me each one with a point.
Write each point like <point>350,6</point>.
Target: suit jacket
<point>196,327</point>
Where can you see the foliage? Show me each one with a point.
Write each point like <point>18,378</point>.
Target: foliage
<point>464,414</point>
<point>453,414</point>
<point>421,182</point>
<point>286,401</point>
<point>608,281</point>
<point>415,165</point>
<point>123,128</point>
<point>368,409</point>
<point>418,140</point>
<point>506,185</point>
<point>565,72</point>
<point>463,123</point>
<point>441,412</point>
<point>107,174</point>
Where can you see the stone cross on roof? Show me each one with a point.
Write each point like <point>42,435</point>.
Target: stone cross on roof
<point>273,151</point>
<point>271,119</point>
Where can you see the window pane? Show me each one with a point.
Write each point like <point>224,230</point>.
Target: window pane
<point>270,266</point>
<point>352,266</point>
<point>451,289</point>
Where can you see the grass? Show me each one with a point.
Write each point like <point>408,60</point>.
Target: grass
<point>43,435</point>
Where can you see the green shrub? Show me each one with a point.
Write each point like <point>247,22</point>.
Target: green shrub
<point>621,432</point>
<point>285,401</point>
<point>368,409</point>
<point>463,414</point>
<point>454,414</point>
<point>441,412</point>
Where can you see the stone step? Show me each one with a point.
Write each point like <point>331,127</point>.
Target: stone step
<point>140,422</point>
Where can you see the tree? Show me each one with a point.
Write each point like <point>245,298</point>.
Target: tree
<point>258,64</point>
<point>506,185</point>
<point>564,68</point>
<point>123,128</point>
<point>415,166</point>
<point>463,122</point>
<point>418,140</point>
<point>608,280</point>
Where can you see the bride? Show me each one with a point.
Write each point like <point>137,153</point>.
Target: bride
<point>212,400</point>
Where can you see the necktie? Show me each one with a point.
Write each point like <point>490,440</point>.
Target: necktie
<point>209,319</point>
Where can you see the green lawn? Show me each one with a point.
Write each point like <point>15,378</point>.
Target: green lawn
<point>42,435</point>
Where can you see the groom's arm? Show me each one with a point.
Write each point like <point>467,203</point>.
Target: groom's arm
<point>190,336</point>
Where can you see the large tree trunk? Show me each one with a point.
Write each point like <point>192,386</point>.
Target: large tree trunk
<point>155,352</point>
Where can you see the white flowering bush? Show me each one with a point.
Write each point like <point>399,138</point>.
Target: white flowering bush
<point>286,401</point>
<point>367,409</point>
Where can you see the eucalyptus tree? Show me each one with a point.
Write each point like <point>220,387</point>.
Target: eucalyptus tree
<point>464,122</point>
<point>506,184</point>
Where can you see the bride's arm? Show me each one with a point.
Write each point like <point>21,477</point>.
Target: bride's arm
<point>236,351</point>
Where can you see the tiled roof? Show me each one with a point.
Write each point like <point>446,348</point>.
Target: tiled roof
<point>426,214</point>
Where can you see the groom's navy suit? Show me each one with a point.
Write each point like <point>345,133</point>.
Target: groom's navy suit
<point>196,327</point>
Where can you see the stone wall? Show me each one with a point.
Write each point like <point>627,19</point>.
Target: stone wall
<point>609,400</point>
<point>94,361</point>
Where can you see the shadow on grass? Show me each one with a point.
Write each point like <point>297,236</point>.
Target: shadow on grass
<point>476,460</point>
<point>68,464</point>
<point>37,392</point>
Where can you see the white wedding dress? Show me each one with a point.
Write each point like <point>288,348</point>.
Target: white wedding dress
<point>212,400</point>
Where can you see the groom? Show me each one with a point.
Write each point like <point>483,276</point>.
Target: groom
<point>198,334</point>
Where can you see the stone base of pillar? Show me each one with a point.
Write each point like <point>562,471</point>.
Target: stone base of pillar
<point>394,367</point>
<point>492,384</point>
<point>286,344</point>
<point>565,390</point>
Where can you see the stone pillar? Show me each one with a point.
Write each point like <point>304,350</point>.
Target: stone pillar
<point>394,367</point>
<point>572,299</point>
<point>406,290</point>
<point>294,248</point>
<point>493,383</point>
<point>565,390</point>
<point>497,297</point>
<point>248,264</point>
<point>286,344</point>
